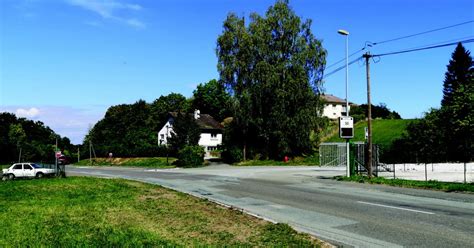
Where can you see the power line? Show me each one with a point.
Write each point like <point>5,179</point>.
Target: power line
<point>341,67</point>
<point>421,33</point>
<point>370,44</point>
<point>423,48</point>
<point>339,61</point>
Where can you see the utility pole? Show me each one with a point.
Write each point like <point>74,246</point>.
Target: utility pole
<point>90,152</point>
<point>367,57</point>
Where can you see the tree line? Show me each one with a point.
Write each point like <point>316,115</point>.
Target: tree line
<point>27,140</point>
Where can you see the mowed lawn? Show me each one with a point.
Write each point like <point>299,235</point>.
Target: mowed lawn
<point>80,211</point>
<point>157,162</point>
<point>384,132</point>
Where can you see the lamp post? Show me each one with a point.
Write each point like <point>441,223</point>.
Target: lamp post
<point>346,34</point>
<point>167,146</point>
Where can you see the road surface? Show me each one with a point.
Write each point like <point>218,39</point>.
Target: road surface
<point>343,213</point>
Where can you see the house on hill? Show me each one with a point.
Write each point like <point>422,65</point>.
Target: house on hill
<point>334,107</point>
<point>211,131</point>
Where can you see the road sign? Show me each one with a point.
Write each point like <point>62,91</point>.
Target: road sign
<point>346,127</point>
<point>58,154</point>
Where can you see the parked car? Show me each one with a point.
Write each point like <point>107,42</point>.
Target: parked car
<point>26,170</point>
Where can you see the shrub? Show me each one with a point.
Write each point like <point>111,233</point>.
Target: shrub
<point>191,156</point>
<point>232,155</point>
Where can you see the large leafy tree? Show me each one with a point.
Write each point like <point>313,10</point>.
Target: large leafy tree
<point>272,66</point>
<point>130,130</point>
<point>160,108</point>
<point>211,98</point>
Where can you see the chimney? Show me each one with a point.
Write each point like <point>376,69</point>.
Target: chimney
<point>197,114</point>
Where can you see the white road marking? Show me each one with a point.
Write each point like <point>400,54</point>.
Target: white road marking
<point>387,206</point>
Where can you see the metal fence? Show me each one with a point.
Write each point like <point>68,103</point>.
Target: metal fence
<point>334,154</point>
<point>446,172</point>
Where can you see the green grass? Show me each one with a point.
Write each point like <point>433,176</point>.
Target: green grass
<point>384,132</point>
<point>298,161</point>
<point>159,162</point>
<point>94,212</point>
<point>435,185</point>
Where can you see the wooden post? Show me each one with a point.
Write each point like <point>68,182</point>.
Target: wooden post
<point>367,56</point>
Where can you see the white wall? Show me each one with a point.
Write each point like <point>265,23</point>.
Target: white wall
<point>162,135</point>
<point>206,140</point>
<point>333,111</point>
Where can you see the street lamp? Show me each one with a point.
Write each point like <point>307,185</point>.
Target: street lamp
<point>167,146</point>
<point>346,33</point>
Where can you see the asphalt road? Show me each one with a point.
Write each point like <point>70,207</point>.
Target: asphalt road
<point>345,214</point>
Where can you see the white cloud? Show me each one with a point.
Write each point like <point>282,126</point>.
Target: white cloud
<point>31,113</point>
<point>111,9</point>
<point>135,23</point>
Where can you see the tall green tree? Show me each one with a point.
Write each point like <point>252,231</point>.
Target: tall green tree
<point>457,106</point>
<point>160,108</point>
<point>211,98</point>
<point>272,67</point>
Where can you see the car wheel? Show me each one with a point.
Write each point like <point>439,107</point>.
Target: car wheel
<point>39,175</point>
<point>11,176</point>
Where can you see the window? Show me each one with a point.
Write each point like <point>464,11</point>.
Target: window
<point>212,148</point>
<point>334,105</point>
<point>27,167</point>
<point>213,135</point>
<point>162,136</point>
<point>17,167</point>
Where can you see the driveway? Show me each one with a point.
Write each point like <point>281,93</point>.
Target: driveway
<point>343,213</point>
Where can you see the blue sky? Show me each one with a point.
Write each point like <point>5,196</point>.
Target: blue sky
<point>64,62</point>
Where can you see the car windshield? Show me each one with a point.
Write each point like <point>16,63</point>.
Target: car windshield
<point>36,166</point>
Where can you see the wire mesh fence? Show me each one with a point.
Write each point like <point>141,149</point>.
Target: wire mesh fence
<point>332,154</point>
<point>445,172</point>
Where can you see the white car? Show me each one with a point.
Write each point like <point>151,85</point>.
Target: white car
<point>26,170</point>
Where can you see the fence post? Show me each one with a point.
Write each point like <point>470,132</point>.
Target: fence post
<point>465,172</point>
<point>426,173</point>
<point>393,171</point>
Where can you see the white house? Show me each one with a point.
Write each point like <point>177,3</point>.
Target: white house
<point>211,131</point>
<point>334,107</point>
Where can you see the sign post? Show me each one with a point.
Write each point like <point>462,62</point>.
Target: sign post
<point>346,131</point>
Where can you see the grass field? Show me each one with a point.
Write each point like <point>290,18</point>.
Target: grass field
<point>435,185</point>
<point>384,132</point>
<point>159,162</point>
<point>93,212</point>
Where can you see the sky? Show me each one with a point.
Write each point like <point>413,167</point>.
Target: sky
<point>64,62</point>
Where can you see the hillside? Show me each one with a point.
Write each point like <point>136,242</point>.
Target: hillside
<point>384,132</point>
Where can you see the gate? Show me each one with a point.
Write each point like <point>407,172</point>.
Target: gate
<point>334,154</point>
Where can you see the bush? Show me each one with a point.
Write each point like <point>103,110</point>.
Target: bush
<point>232,155</point>
<point>190,156</point>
